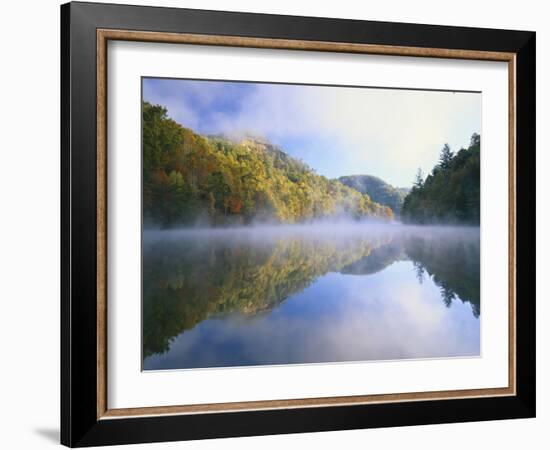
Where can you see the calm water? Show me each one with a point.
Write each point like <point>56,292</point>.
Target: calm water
<point>309,294</point>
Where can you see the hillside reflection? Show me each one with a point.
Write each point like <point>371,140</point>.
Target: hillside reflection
<point>192,276</point>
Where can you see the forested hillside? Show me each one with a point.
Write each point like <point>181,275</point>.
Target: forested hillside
<point>189,178</point>
<point>378,190</point>
<point>450,193</point>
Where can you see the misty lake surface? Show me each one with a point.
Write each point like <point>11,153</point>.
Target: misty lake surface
<point>309,294</point>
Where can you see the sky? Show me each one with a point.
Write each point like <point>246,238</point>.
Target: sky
<point>337,131</point>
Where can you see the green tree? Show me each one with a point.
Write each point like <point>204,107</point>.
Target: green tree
<point>418,179</point>
<point>451,193</point>
<point>445,157</point>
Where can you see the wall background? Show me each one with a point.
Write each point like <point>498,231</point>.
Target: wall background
<point>29,229</point>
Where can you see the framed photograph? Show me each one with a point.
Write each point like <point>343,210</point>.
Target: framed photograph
<point>277,224</point>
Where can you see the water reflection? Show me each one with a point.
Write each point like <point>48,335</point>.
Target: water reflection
<point>303,294</point>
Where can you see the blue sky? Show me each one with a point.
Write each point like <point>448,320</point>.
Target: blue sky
<point>335,130</point>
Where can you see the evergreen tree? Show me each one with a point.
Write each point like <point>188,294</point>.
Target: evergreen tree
<point>445,157</point>
<point>418,179</point>
<point>451,193</point>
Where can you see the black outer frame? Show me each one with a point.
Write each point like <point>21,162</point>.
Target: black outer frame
<point>79,423</point>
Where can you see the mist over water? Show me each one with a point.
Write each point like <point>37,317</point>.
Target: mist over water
<point>327,292</point>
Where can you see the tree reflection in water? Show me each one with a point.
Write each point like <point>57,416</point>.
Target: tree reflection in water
<point>190,276</point>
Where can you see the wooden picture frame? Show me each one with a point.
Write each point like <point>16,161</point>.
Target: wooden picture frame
<point>86,418</point>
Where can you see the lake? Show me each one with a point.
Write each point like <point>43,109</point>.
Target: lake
<point>301,294</point>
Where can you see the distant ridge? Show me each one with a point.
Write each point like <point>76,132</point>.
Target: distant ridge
<point>378,190</point>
